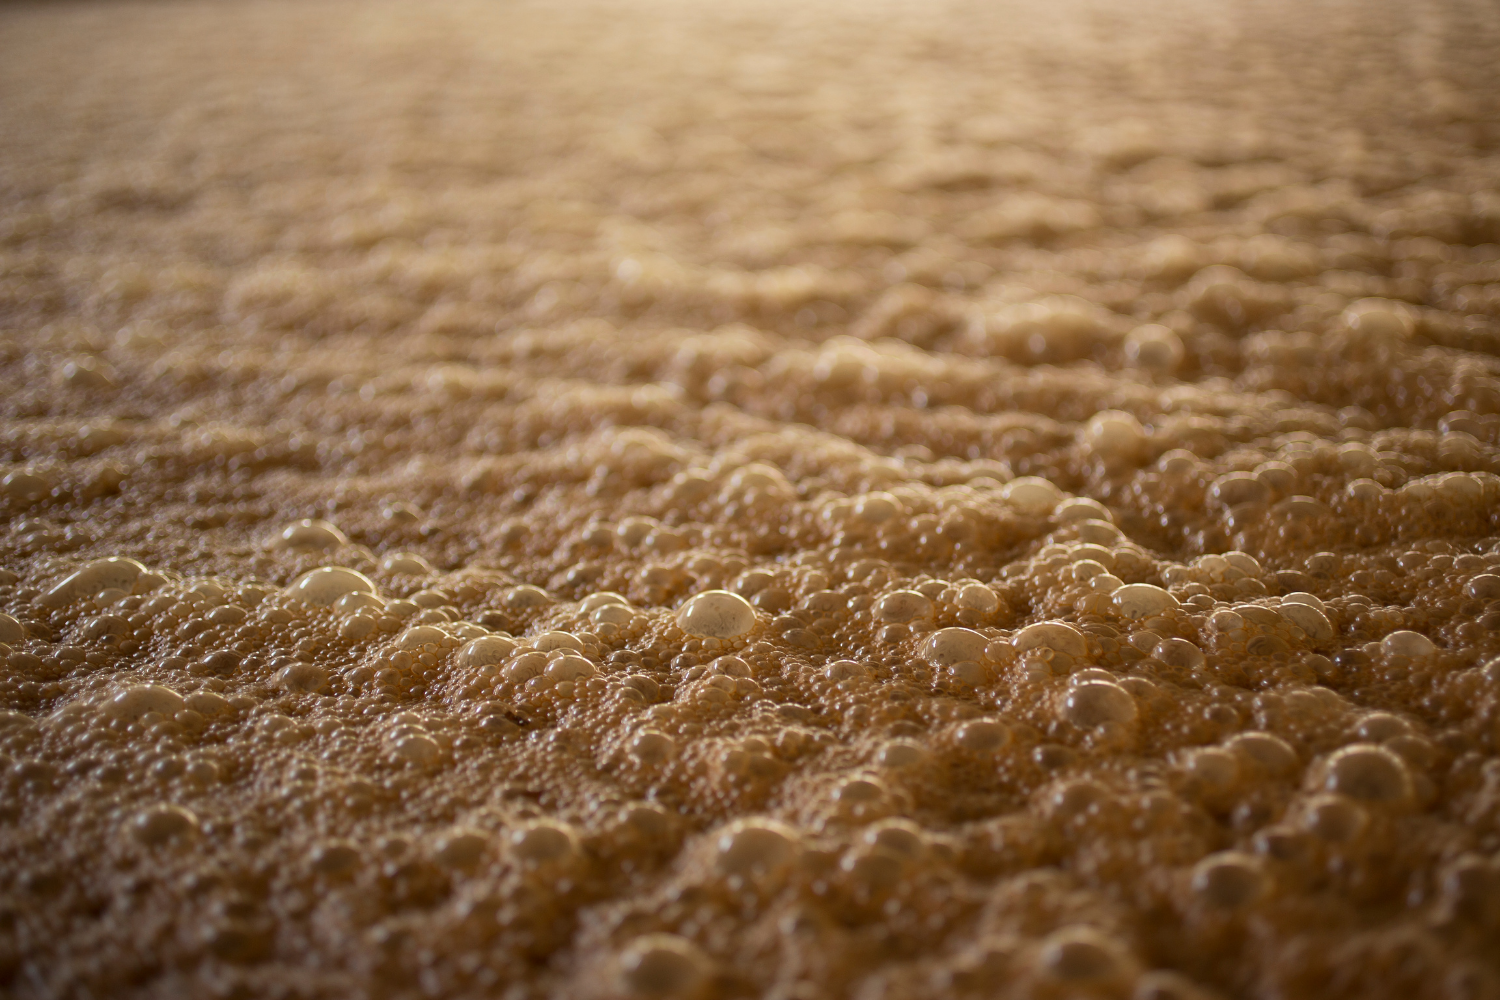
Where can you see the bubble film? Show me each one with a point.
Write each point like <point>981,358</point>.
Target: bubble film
<point>883,501</point>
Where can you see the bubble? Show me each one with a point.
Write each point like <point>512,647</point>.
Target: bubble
<point>135,702</point>
<point>952,645</point>
<point>664,965</point>
<point>407,564</point>
<point>335,858</point>
<point>1143,600</point>
<point>1380,318</point>
<point>1082,956</point>
<point>312,535</point>
<point>486,650</point>
<point>208,703</point>
<point>306,678</point>
<point>418,636</point>
<point>1238,488</point>
<point>1309,619</point>
<point>1154,347</point>
<point>845,670</point>
<point>1097,532</point>
<point>568,668</point>
<point>1179,653</point>
<point>613,614</point>
<point>652,747</point>
<point>1032,495</point>
<point>876,508</point>
<point>645,685</point>
<point>1095,703</point>
<point>897,837</point>
<point>1114,434</point>
<point>543,842</point>
<point>1082,509</point>
<point>201,772</point>
<point>983,735</point>
<point>898,754</point>
<point>359,602</point>
<point>527,596</point>
<point>902,606</point>
<point>525,667</point>
<point>1172,256</point>
<point>1298,597</point>
<point>461,847</point>
<point>1058,636</point>
<point>1270,752</point>
<point>1215,770</point>
<point>602,599</point>
<point>1406,643</point>
<point>326,585</point>
<point>11,631</point>
<point>1229,880</point>
<point>860,793</point>
<point>418,749</point>
<point>1334,818</point>
<point>1369,774</point>
<point>978,598</point>
<point>1379,726</point>
<point>25,486</point>
<point>161,824</point>
<point>716,613</point>
<point>113,573</point>
<point>549,641</point>
<point>755,846</point>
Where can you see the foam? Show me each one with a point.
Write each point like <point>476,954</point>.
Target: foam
<point>742,500</point>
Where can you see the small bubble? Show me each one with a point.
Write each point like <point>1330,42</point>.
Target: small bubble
<point>1369,774</point>
<point>486,650</point>
<point>664,965</point>
<point>335,858</point>
<point>902,606</point>
<point>1334,818</point>
<point>325,585</point>
<point>135,702</point>
<point>652,747</point>
<point>312,535</point>
<point>418,749</point>
<point>419,636</point>
<point>162,823</point>
<point>407,564</point>
<point>1229,880</point>
<point>1408,644</point>
<point>983,735</point>
<point>461,847</point>
<point>1057,636</point>
<point>1081,955</point>
<point>1143,600</point>
<point>1095,703</point>
<point>302,678</point>
<point>755,846</point>
<point>949,646</point>
<point>716,613</point>
<point>543,842</point>
<point>899,754</point>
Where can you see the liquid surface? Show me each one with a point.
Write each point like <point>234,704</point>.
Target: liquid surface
<point>725,500</point>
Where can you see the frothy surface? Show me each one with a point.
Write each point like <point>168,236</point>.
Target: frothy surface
<point>864,500</point>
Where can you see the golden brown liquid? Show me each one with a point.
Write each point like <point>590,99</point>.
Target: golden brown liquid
<point>867,500</point>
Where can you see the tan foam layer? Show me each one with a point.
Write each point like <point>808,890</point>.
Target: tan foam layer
<point>869,500</point>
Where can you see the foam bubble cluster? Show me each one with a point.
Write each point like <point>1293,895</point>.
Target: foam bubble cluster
<point>876,501</point>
